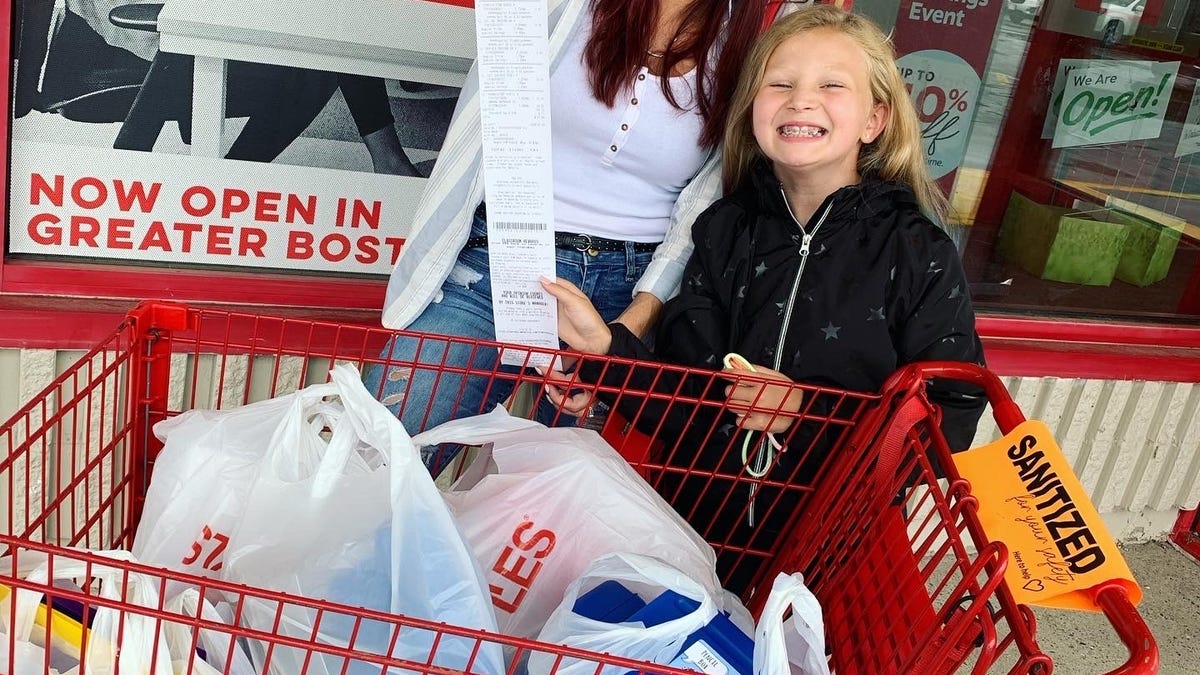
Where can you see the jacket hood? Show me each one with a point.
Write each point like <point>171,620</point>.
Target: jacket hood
<point>866,200</point>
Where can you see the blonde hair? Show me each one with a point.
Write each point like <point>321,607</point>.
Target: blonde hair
<point>897,153</point>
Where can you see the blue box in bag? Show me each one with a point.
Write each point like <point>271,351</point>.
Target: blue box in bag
<point>609,602</point>
<point>719,647</point>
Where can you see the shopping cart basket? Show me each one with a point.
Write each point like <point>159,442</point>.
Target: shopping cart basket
<point>871,509</point>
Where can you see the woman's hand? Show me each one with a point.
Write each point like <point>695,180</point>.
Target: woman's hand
<point>763,396</point>
<point>572,400</point>
<point>579,324</point>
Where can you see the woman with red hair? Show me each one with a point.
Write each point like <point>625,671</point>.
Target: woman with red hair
<point>639,90</point>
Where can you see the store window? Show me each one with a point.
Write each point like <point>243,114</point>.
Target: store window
<point>1079,185</point>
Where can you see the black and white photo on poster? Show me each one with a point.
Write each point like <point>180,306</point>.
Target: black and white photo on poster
<point>90,75</point>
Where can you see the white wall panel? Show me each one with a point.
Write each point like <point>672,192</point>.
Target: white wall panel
<point>1135,445</point>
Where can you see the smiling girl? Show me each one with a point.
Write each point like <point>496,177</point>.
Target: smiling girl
<point>823,263</point>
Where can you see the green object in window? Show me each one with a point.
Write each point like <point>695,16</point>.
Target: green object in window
<point>1148,251</point>
<point>1061,244</point>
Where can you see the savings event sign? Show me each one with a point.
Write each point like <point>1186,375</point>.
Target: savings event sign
<point>944,46</point>
<point>115,204</point>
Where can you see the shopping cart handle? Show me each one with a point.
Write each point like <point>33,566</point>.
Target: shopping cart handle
<point>1112,597</point>
<point>1008,415</point>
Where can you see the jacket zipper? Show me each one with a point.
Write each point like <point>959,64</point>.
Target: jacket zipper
<point>763,457</point>
<point>805,245</point>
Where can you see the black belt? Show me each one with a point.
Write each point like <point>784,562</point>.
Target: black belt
<point>584,243</point>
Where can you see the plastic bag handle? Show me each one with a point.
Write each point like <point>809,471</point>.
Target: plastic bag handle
<point>216,644</point>
<point>771,655</point>
<point>474,430</point>
<point>142,648</point>
<point>635,569</point>
<point>26,600</point>
<point>295,425</point>
<point>332,456</point>
<point>363,419</point>
<point>370,420</point>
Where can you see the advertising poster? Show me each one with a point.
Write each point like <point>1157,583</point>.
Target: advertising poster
<point>944,47</point>
<point>215,133</point>
<point>1189,138</point>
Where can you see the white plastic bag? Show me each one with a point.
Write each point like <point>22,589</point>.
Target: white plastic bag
<point>115,636</point>
<point>353,517</point>
<point>132,642</point>
<point>647,578</point>
<point>312,503</point>
<point>795,646</point>
<point>223,655</point>
<point>26,642</point>
<point>558,499</point>
<point>203,476</point>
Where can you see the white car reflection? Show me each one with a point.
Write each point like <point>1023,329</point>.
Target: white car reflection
<point>1116,19</point>
<point>1023,9</point>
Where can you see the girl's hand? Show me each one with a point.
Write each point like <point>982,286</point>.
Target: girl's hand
<point>579,324</point>
<point>762,396</point>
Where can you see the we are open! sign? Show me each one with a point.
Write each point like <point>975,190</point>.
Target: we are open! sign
<point>1113,102</point>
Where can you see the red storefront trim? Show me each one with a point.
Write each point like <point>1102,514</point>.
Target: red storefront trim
<point>39,322</point>
<point>1091,350</point>
<point>260,288</point>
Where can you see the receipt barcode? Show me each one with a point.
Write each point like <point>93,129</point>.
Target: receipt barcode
<point>519,226</point>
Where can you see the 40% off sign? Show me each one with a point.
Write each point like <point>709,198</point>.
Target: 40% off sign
<point>943,88</point>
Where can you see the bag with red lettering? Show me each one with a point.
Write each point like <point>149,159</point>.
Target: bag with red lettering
<point>203,476</point>
<point>550,502</point>
<point>328,499</point>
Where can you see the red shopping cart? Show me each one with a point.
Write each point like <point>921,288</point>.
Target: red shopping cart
<point>872,510</point>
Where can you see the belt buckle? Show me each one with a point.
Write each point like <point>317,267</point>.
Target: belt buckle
<point>583,244</point>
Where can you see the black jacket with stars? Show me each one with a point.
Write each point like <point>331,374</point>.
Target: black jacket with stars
<point>882,287</point>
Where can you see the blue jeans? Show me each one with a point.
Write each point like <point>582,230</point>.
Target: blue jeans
<point>427,395</point>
